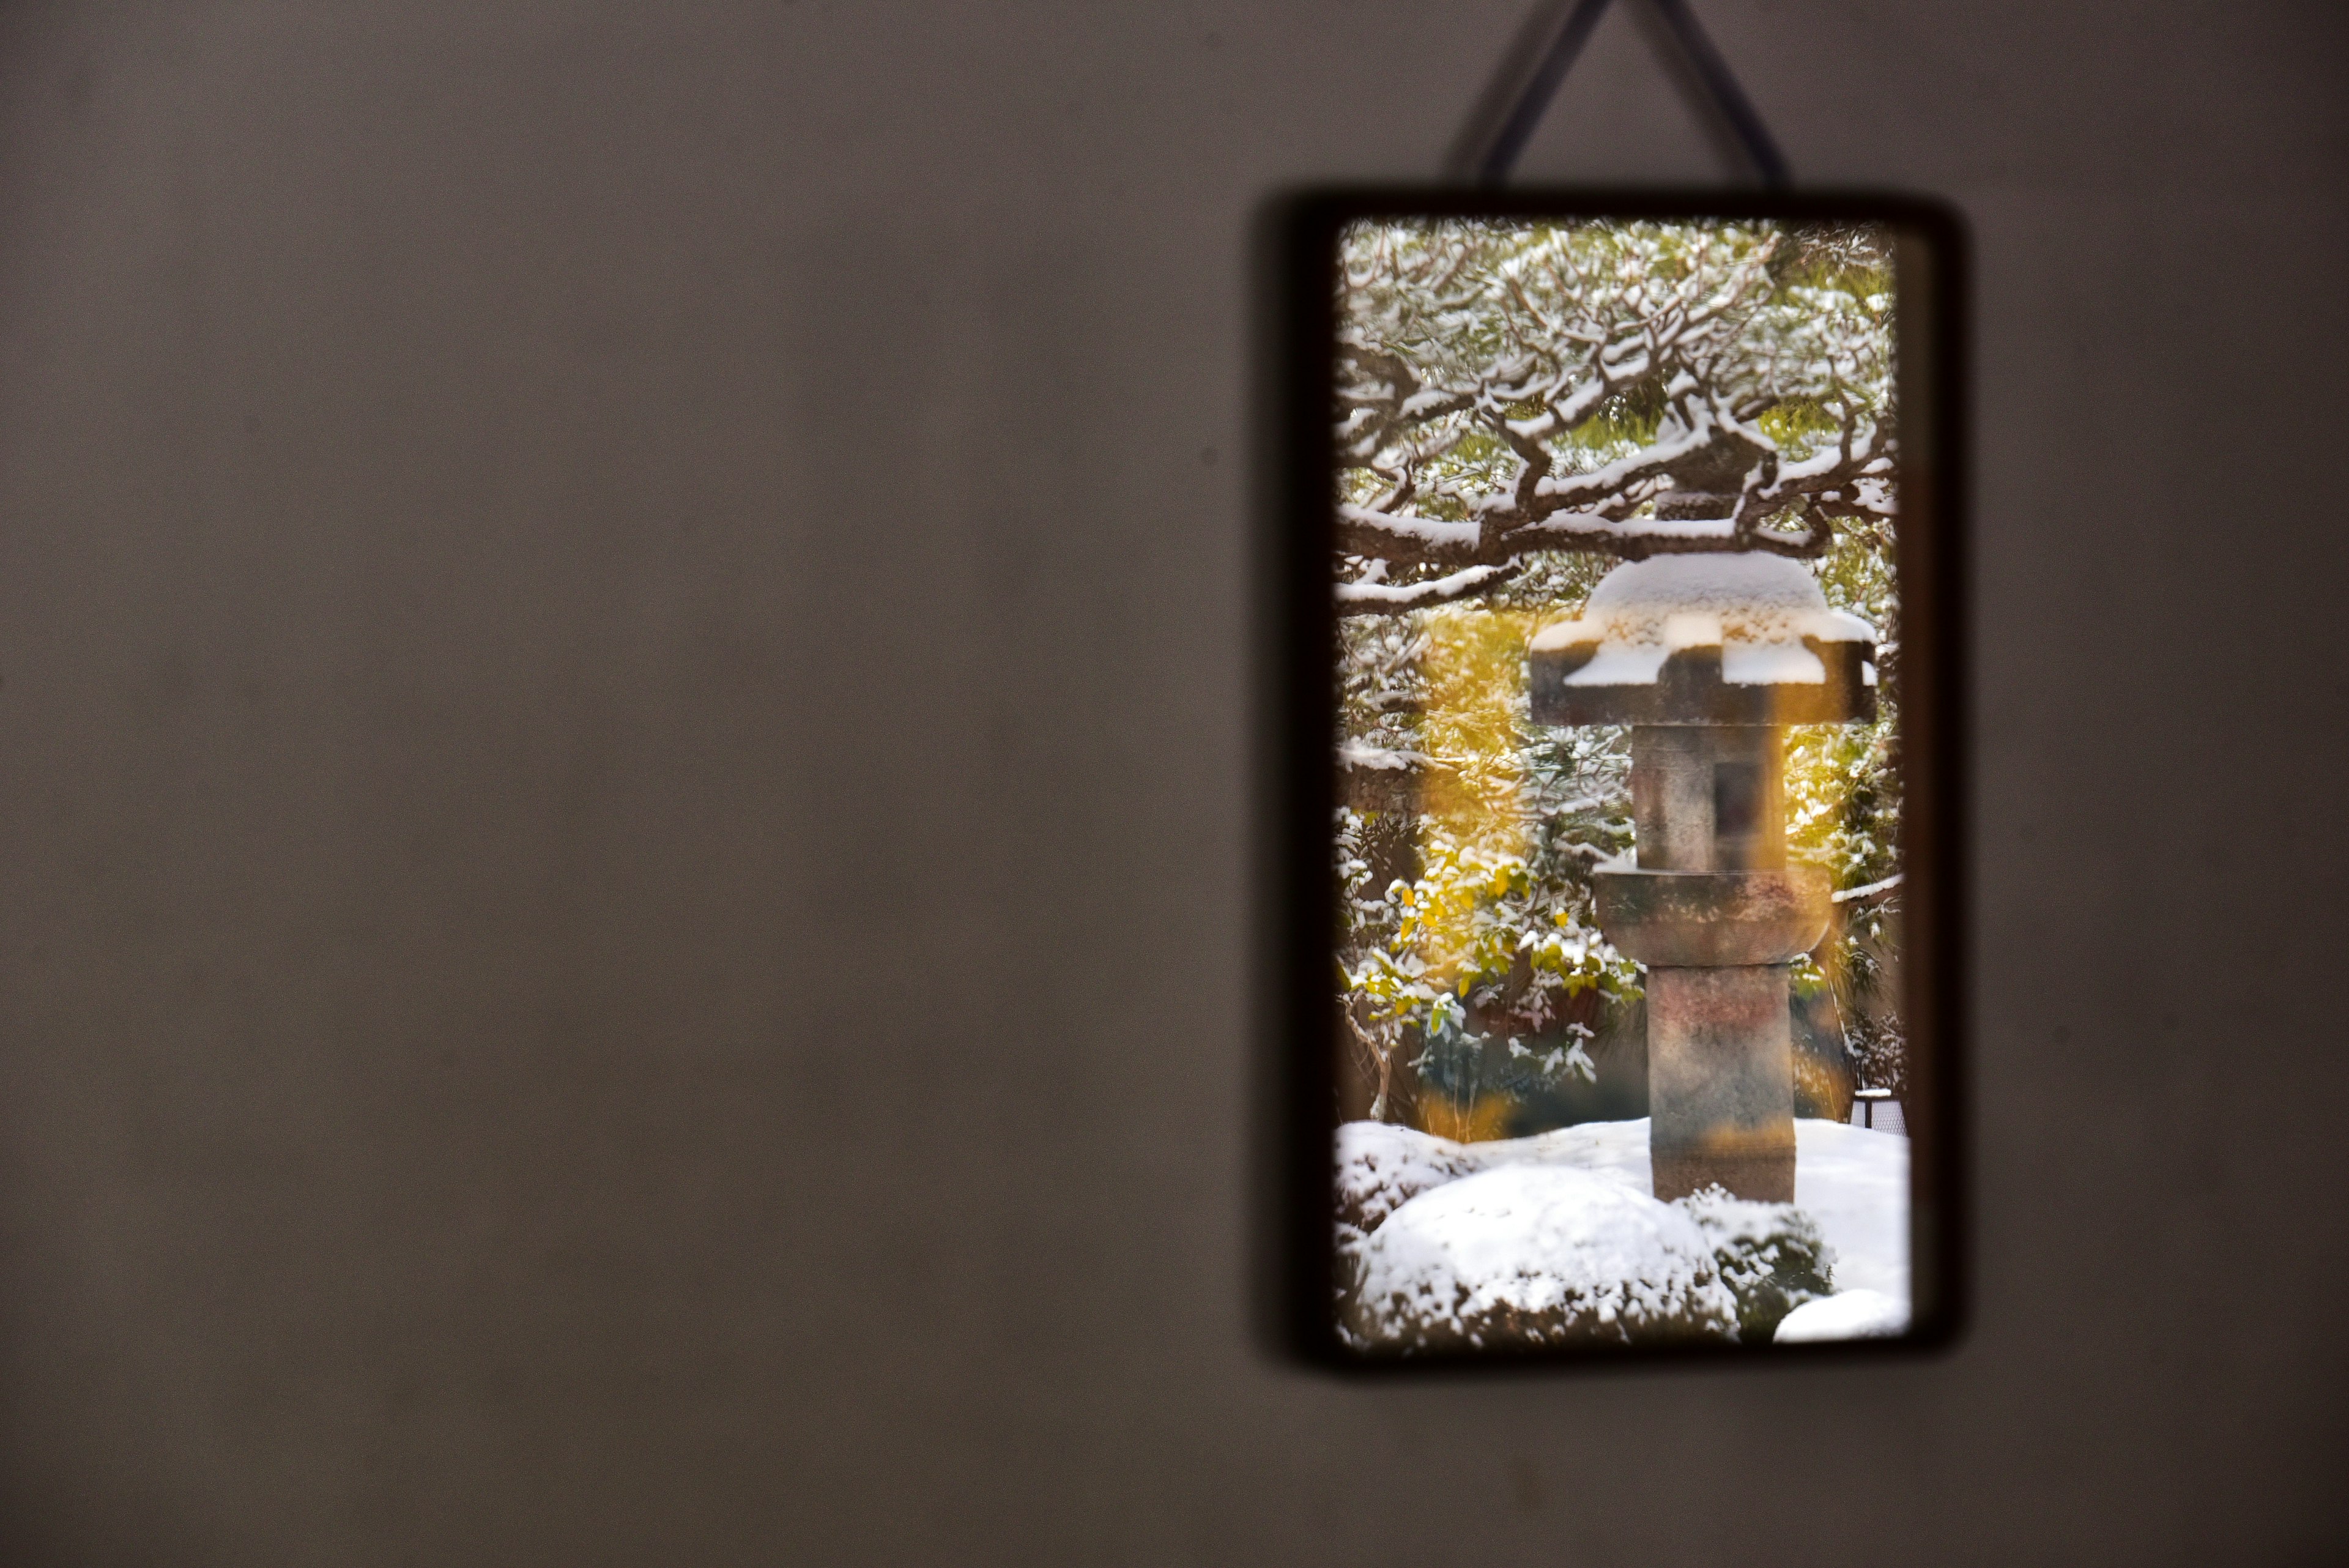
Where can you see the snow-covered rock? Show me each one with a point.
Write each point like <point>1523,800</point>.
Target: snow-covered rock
<point>1537,1254</point>
<point>1853,1314</point>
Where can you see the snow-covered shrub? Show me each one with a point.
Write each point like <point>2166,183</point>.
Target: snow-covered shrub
<point>1536,1255</point>
<point>1382,1166</point>
<point>1770,1255</point>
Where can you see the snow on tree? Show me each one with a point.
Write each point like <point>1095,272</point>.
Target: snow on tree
<point>1519,407</point>
<point>1508,388</point>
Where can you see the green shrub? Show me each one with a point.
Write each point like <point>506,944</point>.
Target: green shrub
<point>1770,1255</point>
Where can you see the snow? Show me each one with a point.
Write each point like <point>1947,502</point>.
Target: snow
<point>1409,525</point>
<point>1382,1166</point>
<point>1548,1239</point>
<point>1617,1150</point>
<point>1692,629</point>
<point>1566,634</point>
<point>1622,667</point>
<point>1871,891</point>
<point>1756,607</point>
<point>1826,459</point>
<point>1614,476</point>
<point>1432,591</point>
<point>1852,1181</point>
<point>1362,755</point>
<point>1685,527</point>
<point>1772,664</point>
<point>1846,1314</point>
<point>1759,597</point>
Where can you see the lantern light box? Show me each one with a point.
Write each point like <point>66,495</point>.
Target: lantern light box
<point>1620,838</point>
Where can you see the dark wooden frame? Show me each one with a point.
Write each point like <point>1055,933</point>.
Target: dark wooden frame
<point>1298,754</point>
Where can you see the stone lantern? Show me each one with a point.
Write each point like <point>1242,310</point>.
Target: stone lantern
<point>1707,657</point>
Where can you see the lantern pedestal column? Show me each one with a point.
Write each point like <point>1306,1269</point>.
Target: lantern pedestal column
<point>1721,1069</point>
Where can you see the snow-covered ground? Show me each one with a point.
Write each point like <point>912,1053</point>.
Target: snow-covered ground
<point>1852,1181</point>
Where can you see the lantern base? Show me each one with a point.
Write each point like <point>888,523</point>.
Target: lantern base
<point>1721,1082</point>
<point>1761,1176</point>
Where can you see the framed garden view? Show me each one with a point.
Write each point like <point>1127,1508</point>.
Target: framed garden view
<point>1619,727</point>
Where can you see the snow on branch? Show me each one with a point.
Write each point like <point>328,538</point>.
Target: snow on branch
<point>1874,889</point>
<point>1625,390</point>
<point>1391,596</point>
<point>1404,538</point>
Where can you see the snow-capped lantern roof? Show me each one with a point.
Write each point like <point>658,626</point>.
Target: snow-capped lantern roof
<point>1719,638</point>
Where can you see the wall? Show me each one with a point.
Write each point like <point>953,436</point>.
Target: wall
<point>624,908</point>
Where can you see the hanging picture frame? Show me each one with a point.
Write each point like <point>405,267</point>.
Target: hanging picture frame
<point>1619,860</point>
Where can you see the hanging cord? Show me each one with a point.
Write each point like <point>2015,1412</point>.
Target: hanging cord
<point>1729,98</point>
<point>1713,77</point>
